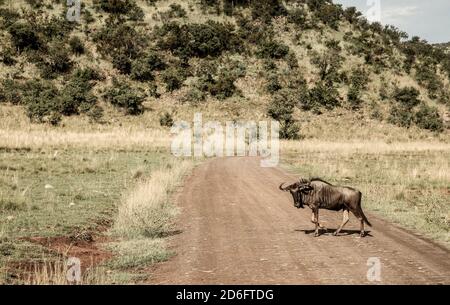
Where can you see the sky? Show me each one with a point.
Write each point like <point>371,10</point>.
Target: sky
<point>429,19</point>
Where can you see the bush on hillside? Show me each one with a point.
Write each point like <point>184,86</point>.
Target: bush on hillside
<point>281,109</point>
<point>76,96</point>
<point>272,49</point>
<point>407,97</point>
<point>141,71</point>
<point>10,91</point>
<point>359,78</point>
<point>24,36</point>
<point>56,62</point>
<point>299,17</point>
<point>120,8</point>
<point>166,120</point>
<point>427,76</point>
<point>123,96</point>
<point>42,101</point>
<point>322,95</point>
<point>198,40</point>
<point>173,78</point>
<point>354,98</point>
<point>175,11</point>
<point>120,41</point>
<point>400,116</point>
<point>265,10</point>
<point>76,45</point>
<point>428,118</point>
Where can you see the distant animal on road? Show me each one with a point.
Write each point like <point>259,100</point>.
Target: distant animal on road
<point>319,194</point>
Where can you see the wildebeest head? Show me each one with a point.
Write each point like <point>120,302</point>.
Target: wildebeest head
<point>296,190</point>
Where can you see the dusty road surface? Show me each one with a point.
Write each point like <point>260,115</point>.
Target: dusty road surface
<point>238,228</point>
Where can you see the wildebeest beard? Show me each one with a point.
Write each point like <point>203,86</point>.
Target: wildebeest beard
<point>298,200</point>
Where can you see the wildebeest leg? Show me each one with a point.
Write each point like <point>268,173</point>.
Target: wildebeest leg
<point>313,220</point>
<point>344,222</point>
<point>361,220</point>
<point>316,218</point>
<point>363,233</point>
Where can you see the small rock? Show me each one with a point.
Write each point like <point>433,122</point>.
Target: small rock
<point>9,218</point>
<point>71,204</point>
<point>49,187</point>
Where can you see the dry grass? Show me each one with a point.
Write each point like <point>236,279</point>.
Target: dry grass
<point>146,210</point>
<point>55,273</point>
<point>146,215</point>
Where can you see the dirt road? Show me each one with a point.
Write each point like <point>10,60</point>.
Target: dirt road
<point>238,228</point>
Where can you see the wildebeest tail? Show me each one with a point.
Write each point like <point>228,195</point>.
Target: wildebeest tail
<point>362,213</point>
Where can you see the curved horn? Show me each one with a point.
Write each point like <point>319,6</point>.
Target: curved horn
<point>281,187</point>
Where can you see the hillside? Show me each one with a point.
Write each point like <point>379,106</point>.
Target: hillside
<point>295,61</point>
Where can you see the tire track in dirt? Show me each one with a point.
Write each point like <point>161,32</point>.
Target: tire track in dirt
<point>238,228</point>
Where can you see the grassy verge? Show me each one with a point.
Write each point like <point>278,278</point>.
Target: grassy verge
<point>145,217</point>
<point>407,183</point>
<point>61,189</point>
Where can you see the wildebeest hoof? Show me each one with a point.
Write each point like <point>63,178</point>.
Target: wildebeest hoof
<point>316,234</point>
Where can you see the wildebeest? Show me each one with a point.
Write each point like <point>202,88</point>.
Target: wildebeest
<point>319,194</point>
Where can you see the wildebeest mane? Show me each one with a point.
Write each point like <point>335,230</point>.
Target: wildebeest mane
<point>320,180</point>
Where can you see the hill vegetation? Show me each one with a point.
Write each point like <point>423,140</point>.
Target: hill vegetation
<point>292,57</point>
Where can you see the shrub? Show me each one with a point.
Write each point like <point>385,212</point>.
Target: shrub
<point>321,95</point>
<point>24,36</point>
<point>76,96</point>
<point>219,84</point>
<point>298,16</point>
<point>76,45</point>
<point>267,9</point>
<point>119,8</point>
<point>10,92</point>
<point>95,113</point>
<point>253,31</point>
<point>122,95</point>
<point>56,62</point>
<point>198,40</point>
<point>428,118</point>
<point>141,71</point>
<point>426,75</point>
<point>273,83</point>
<point>327,12</point>
<point>166,120</point>
<point>122,63</point>
<point>120,40</point>
<point>195,95</point>
<point>175,11</point>
<point>281,109</point>
<point>9,17</point>
<point>353,97</point>
<point>173,78</point>
<point>223,87</point>
<point>359,78</point>
<point>7,57</point>
<point>55,28</point>
<point>328,63</point>
<point>400,116</point>
<point>407,97</point>
<point>154,61</point>
<point>42,101</point>
<point>273,50</point>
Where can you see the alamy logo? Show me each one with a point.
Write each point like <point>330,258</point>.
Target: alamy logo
<point>73,274</point>
<point>212,139</point>
<point>374,12</point>
<point>374,272</point>
<point>73,10</point>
